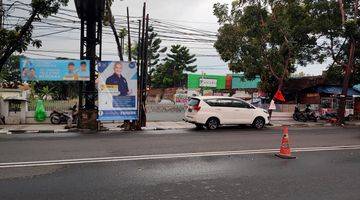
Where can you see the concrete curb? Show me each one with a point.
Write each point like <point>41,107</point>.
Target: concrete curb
<point>316,125</point>
<point>155,128</point>
<point>9,132</point>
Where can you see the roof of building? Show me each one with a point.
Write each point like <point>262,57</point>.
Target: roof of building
<point>300,83</point>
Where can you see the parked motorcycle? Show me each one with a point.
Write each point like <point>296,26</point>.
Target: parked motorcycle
<point>57,117</point>
<point>298,115</point>
<point>328,115</point>
<point>306,115</point>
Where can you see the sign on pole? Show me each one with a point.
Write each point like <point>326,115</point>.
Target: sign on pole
<point>54,70</point>
<point>117,87</point>
<point>208,82</point>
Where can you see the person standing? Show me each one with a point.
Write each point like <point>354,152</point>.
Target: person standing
<point>271,108</point>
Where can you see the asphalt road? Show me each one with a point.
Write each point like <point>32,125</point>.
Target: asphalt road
<point>251,173</point>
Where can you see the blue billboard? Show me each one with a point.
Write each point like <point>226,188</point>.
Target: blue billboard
<point>117,87</point>
<point>54,70</point>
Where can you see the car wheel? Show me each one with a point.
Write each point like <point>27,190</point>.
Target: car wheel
<point>259,123</point>
<point>212,123</point>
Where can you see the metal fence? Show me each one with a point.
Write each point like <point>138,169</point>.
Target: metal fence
<point>54,105</point>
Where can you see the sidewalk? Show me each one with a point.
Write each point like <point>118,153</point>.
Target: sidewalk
<point>49,128</point>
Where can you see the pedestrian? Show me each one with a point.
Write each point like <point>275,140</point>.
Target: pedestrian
<point>271,108</point>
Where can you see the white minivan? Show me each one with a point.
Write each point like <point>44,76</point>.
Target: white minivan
<point>214,111</point>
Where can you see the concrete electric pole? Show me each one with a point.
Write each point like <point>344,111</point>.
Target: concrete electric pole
<point>1,14</point>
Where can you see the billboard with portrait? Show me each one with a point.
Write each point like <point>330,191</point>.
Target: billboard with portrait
<point>117,87</point>
<point>54,70</point>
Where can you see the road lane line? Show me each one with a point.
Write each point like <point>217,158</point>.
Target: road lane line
<point>166,156</point>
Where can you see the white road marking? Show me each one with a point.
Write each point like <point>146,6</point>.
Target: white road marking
<point>167,156</point>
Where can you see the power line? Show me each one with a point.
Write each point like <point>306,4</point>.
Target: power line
<point>104,53</point>
<point>53,33</point>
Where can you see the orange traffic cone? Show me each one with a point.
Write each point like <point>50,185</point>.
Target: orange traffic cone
<point>285,151</point>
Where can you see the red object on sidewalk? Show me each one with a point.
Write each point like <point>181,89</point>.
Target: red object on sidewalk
<point>279,96</point>
<point>285,151</point>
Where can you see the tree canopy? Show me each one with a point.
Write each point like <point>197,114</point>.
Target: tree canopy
<point>170,73</point>
<point>11,72</point>
<point>266,38</point>
<point>19,38</point>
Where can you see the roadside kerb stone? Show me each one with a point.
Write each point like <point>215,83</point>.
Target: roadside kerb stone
<point>153,126</point>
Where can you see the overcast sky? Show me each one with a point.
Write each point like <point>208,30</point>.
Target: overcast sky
<point>189,13</point>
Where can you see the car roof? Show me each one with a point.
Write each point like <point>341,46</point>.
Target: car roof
<point>213,97</point>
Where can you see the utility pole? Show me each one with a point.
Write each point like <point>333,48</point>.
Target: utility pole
<point>145,68</point>
<point>142,117</point>
<point>91,14</point>
<point>138,123</point>
<point>129,36</point>
<point>1,14</point>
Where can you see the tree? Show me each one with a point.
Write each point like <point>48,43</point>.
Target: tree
<point>154,48</point>
<point>171,72</point>
<point>46,92</point>
<point>335,75</point>
<point>20,38</point>
<point>266,38</point>
<point>154,51</point>
<point>122,35</point>
<point>338,23</point>
<point>11,72</point>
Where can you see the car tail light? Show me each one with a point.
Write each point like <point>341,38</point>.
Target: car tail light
<point>197,107</point>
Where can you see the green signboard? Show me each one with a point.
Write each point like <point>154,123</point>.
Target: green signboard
<point>206,81</point>
<point>239,82</point>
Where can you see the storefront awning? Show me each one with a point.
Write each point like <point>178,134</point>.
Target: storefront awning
<point>357,88</point>
<point>335,90</point>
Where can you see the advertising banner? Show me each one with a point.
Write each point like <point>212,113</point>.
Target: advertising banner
<point>54,70</point>
<point>117,86</point>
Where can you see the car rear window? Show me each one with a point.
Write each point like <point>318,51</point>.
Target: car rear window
<point>193,102</point>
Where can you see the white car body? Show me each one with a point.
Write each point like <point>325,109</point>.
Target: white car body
<point>228,110</point>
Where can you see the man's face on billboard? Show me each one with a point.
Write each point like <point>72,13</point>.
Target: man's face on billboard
<point>83,67</point>
<point>118,69</point>
<point>71,68</point>
<point>25,71</point>
<point>32,73</point>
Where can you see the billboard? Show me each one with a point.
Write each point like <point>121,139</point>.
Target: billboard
<point>117,87</point>
<point>54,70</point>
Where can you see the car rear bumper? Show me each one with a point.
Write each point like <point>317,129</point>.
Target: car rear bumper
<point>190,120</point>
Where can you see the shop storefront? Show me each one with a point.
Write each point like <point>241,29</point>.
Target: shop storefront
<point>330,98</point>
